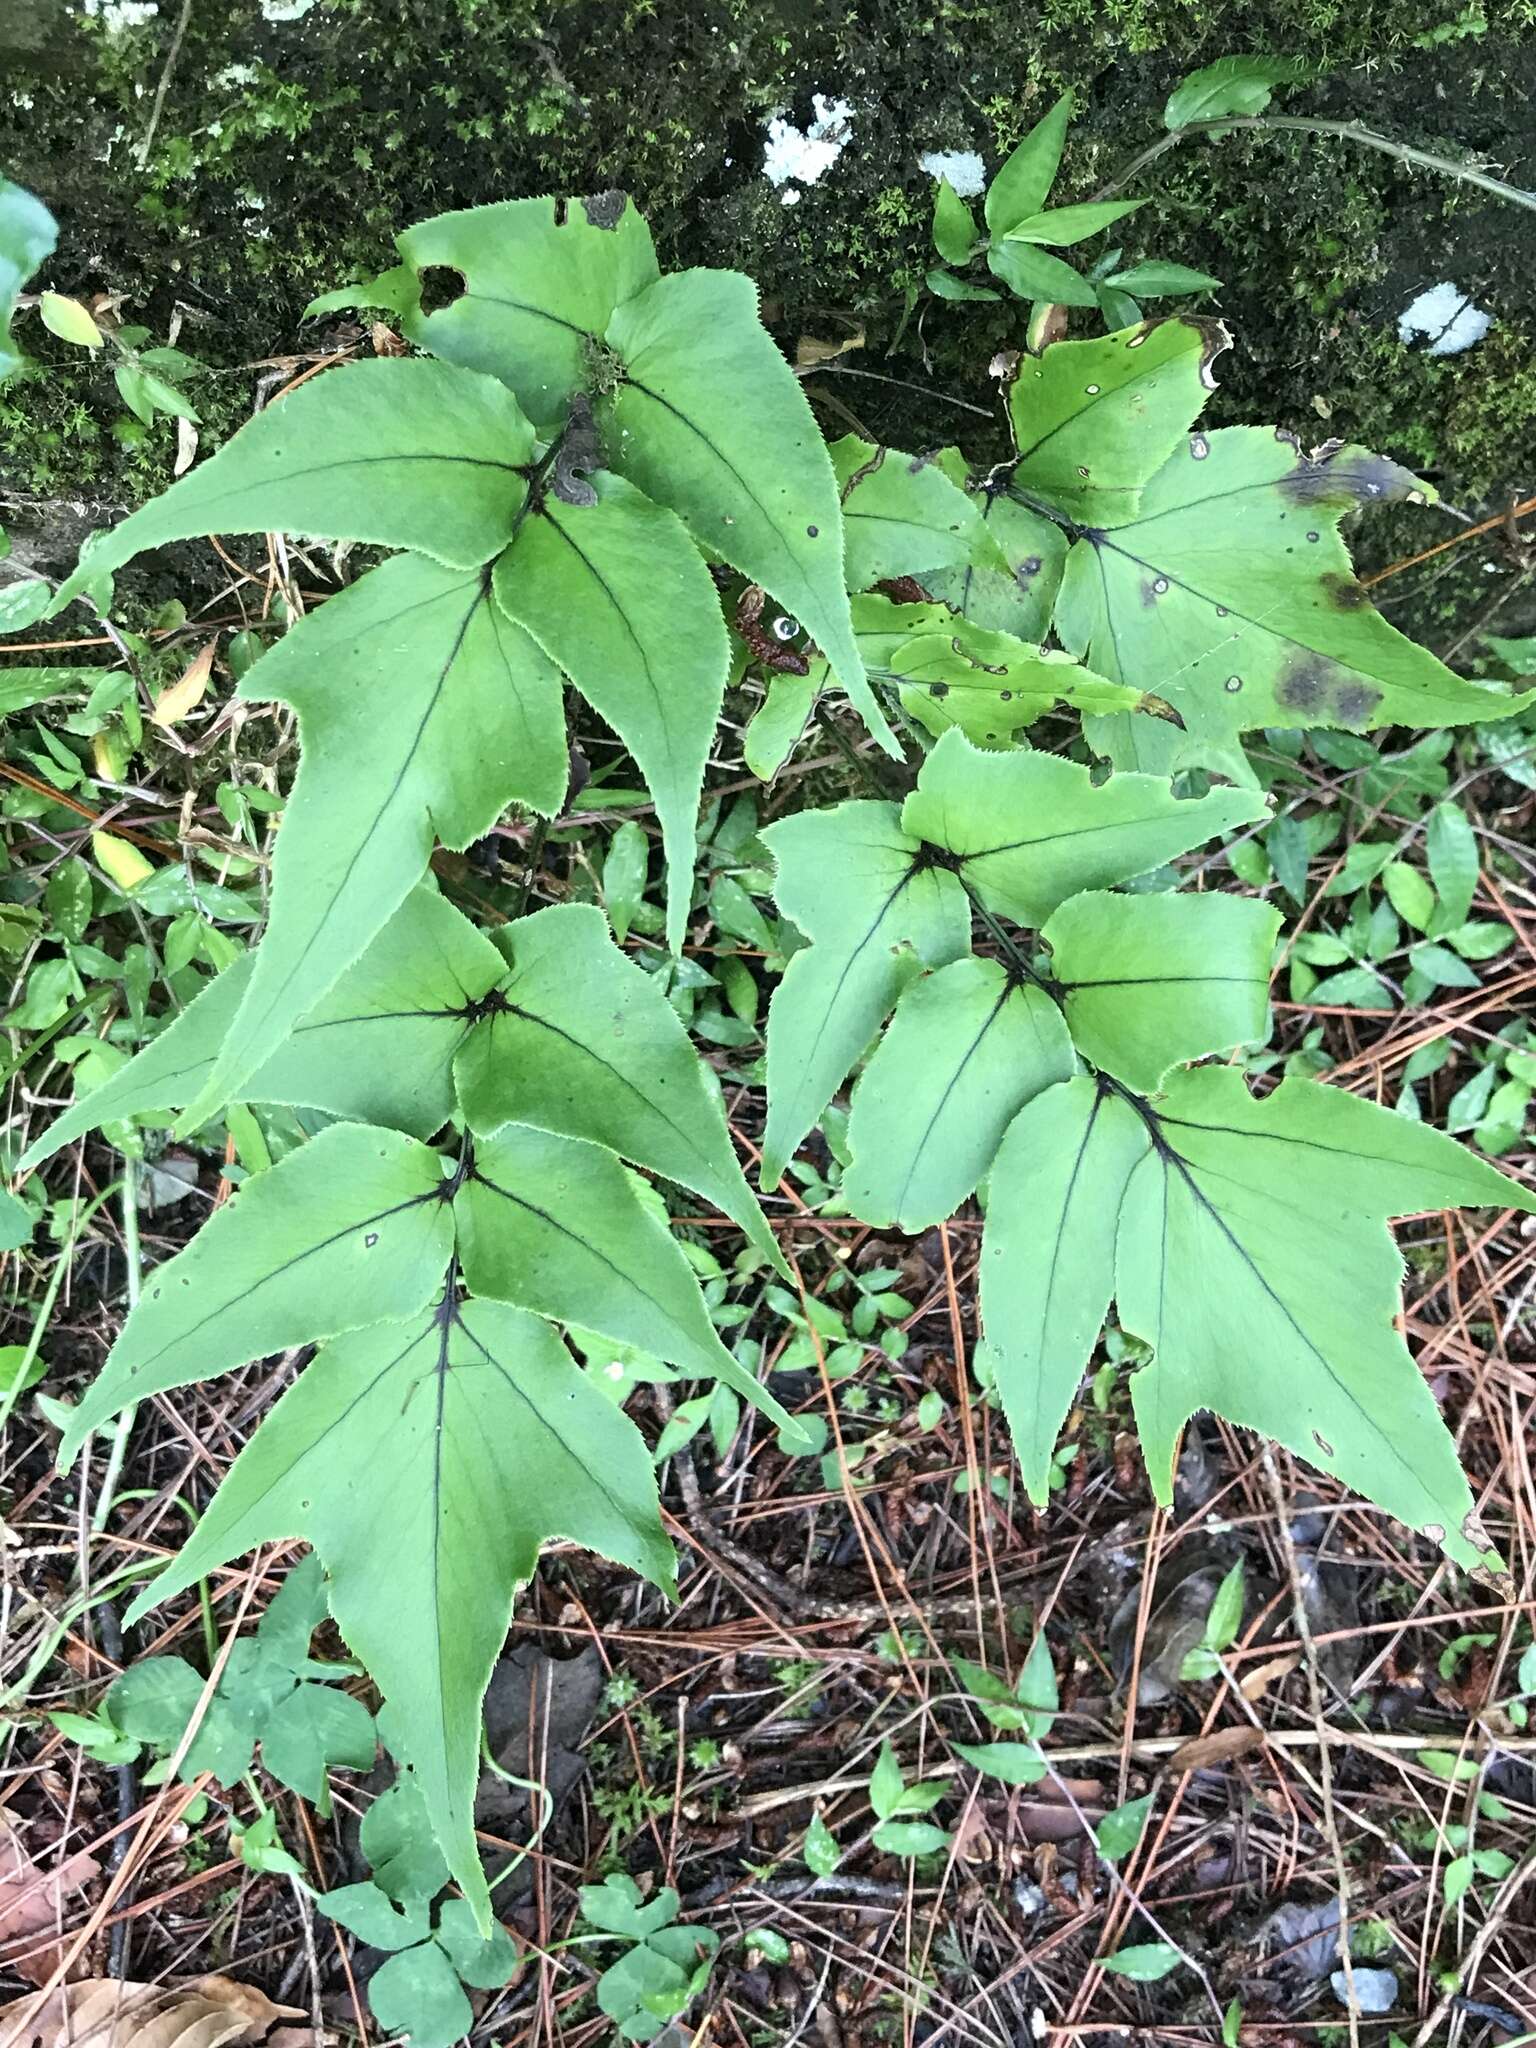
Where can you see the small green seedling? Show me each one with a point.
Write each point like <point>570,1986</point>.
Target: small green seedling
<point>664,1966</point>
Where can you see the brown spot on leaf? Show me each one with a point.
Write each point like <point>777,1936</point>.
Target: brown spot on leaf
<point>1355,702</point>
<point>1343,592</point>
<point>1305,685</point>
<point>1340,476</point>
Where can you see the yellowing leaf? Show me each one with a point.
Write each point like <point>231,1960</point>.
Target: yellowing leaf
<point>69,320</point>
<point>187,692</point>
<point>120,862</point>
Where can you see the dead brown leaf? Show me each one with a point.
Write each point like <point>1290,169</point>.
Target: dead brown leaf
<point>1049,1815</point>
<point>33,1903</point>
<point>187,692</point>
<point>810,350</point>
<point>1221,1746</point>
<point>104,2012</point>
<point>1263,1676</point>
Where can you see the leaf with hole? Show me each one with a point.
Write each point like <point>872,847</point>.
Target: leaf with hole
<point>537,281</point>
<point>1095,421</point>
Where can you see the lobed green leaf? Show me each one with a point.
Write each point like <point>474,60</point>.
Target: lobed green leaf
<point>1080,834</point>
<point>890,915</point>
<point>349,1230</point>
<point>1149,981</point>
<point>403,454</point>
<point>616,594</point>
<point>456,1443</point>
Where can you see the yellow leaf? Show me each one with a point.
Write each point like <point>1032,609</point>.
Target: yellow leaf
<point>187,692</point>
<point>109,754</point>
<point>120,862</point>
<point>811,350</point>
<point>69,320</point>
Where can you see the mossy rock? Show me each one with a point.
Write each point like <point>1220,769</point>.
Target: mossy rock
<point>287,150</point>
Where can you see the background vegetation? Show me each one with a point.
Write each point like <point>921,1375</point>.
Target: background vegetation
<point>1358,1730</point>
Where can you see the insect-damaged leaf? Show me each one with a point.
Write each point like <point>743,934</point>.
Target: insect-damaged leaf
<point>1149,981</point>
<point>1229,593</point>
<point>1032,829</point>
<point>579,1040</point>
<point>696,404</point>
<point>890,914</point>
<point>1094,420</point>
<point>879,626</point>
<point>377,1049</point>
<point>991,685</point>
<point>554,1224</point>
<point>967,1048</point>
<point>453,1446</point>
<point>402,454</point>
<point>1020,601</point>
<point>388,680</point>
<point>902,516</point>
<point>1047,1260</point>
<point>345,1231</point>
<point>539,282</point>
<point>708,418</point>
<point>617,594</point>
<point>1281,1206</point>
